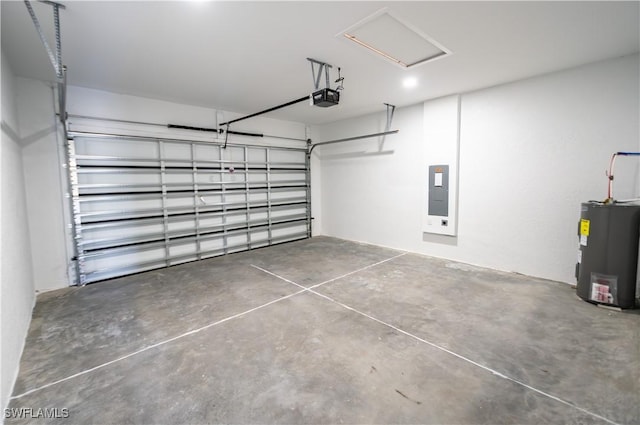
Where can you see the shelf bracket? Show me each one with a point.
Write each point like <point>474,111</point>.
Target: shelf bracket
<point>390,111</point>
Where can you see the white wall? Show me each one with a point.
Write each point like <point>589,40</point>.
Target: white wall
<point>371,192</point>
<point>17,289</point>
<point>530,153</point>
<point>43,171</point>
<point>441,146</point>
<point>97,103</point>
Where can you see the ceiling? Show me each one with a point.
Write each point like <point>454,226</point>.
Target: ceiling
<point>248,56</point>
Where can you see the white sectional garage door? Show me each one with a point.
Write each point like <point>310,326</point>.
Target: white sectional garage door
<point>143,203</point>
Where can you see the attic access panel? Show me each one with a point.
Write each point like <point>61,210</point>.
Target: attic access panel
<point>394,40</point>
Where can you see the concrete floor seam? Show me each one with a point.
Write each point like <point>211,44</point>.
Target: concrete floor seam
<point>424,341</point>
<point>158,344</point>
<point>326,281</point>
<point>358,271</point>
<point>194,331</point>
<point>279,277</point>
<point>461,357</point>
<point>334,353</point>
<point>306,289</point>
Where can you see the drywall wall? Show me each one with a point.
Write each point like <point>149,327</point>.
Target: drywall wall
<point>42,173</point>
<point>115,106</point>
<point>370,188</point>
<point>17,289</point>
<point>530,152</point>
<point>441,147</point>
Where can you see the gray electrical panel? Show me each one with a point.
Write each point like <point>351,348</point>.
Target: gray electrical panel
<point>439,190</point>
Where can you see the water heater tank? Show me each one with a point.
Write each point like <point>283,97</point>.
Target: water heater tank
<point>607,269</point>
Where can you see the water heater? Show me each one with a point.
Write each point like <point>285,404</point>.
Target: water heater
<point>607,268</point>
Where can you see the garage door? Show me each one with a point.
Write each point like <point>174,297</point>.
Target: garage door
<point>143,203</point>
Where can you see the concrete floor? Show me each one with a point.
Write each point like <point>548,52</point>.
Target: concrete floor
<point>329,331</point>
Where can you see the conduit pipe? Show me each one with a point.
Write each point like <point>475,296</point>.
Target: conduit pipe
<point>609,174</point>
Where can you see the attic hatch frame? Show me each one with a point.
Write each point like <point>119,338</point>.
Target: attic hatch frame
<point>54,58</point>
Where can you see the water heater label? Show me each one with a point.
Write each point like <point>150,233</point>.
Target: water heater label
<point>584,227</point>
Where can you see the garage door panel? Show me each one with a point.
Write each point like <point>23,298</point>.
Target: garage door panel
<point>144,203</point>
<point>108,147</point>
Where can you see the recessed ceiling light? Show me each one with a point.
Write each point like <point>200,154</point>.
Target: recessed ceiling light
<point>410,82</point>
<point>391,38</point>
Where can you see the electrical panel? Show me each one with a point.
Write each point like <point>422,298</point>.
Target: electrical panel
<point>439,190</point>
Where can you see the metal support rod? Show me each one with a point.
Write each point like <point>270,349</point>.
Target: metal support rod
<point>348,139</point>
<point>242,133</point>
<point>316,78</point>
<point>62,98</point>
<point>87,117</point>
<point>169,139</point>
<point>326,75</point>
<point>34,18</point>
<point>390,110</point>
<point>214,130</point>
<point>226,137</point>
<point>189,127</point>
<point>56,23</point>
<point>52,58</point>
<point>307,159</point>
<point>184,127</point>
<point>284,105</point>
<point>53,3</point>
<point>223,199</point>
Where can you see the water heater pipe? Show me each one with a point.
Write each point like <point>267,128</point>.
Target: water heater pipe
<point>610,173</point>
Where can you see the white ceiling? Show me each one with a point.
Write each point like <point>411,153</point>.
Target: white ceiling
<point>249,56</point>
